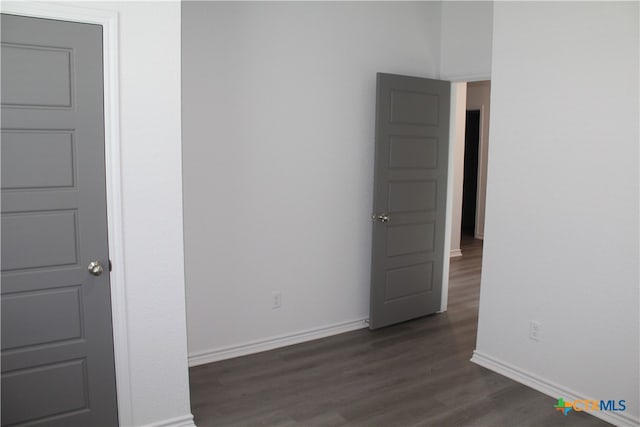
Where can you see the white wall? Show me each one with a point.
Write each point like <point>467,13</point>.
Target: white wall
<point>279,109</point>
<point>149,43</point>
<point>478,98</point>
<point>466,40</point>
<point>561,242</point>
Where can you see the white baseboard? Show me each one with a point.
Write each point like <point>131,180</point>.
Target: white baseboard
<point>548,387</point>
<point>454,253</point>
<point>209,356</point>
<point>479,236</point>
<point>184,421</point>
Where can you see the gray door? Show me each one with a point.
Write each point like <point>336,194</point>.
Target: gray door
<point>57,344</point>
<point>412,139</point>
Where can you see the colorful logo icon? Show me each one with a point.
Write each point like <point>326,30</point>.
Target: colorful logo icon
<point>563,406</point>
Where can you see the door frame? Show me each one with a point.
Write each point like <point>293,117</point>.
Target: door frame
<point>109,22</point>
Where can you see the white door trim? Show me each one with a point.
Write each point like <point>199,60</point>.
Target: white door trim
<point>109,22</point>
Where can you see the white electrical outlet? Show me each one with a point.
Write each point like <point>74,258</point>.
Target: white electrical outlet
<point>535,330</point>
<point>276,299</point>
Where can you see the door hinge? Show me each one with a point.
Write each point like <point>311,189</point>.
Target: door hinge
<point>110,266</point>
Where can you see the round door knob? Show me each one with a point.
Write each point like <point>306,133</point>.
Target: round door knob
<point>383,218</point>
<point>95,268</point>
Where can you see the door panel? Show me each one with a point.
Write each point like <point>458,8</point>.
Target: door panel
<point>412,137</point>
<point>411,280</point>
<point>21,152</point>
<point>36,75</point>
<point>39,239</point>
<point>412,196</point>
<point>57,343</point>
<point>59,317</point>
<point>413,153</point>
<point>28,402</point>
<point>408,239</point>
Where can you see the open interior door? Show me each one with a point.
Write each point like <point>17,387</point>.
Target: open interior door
<point>409,202</point>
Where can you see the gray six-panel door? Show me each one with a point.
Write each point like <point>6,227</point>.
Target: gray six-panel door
<point>57,344</point>
<point>412,139</point>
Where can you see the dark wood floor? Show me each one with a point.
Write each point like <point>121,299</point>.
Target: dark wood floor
<point>413,374</point>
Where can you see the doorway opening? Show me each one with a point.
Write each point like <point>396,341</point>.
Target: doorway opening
<point>469,141</point>
<point>470,180</point>
<point>470,111</point>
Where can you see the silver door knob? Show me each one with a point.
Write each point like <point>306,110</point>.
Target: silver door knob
<point>382,217</point>
<point>95,268</point>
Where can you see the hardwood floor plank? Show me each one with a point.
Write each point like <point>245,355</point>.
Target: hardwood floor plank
<point>413,374</point>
